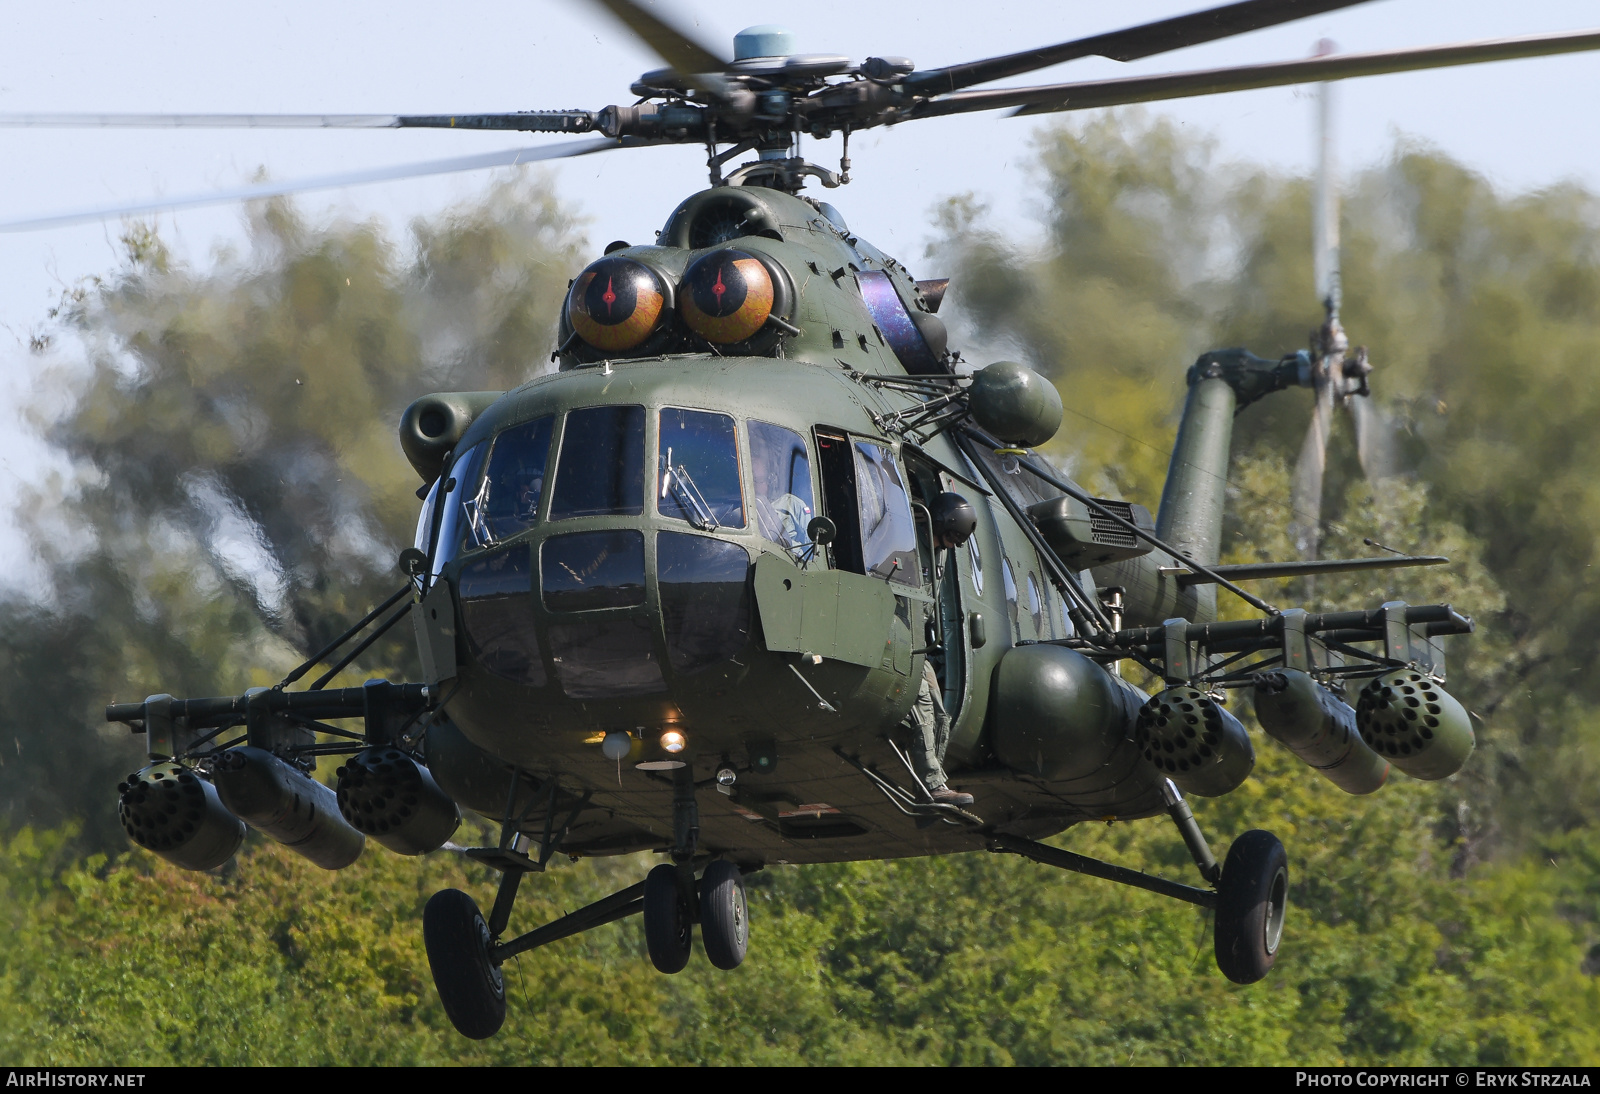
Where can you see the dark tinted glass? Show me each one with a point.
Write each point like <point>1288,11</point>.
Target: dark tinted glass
<point>508,500</point>
<point>888,537</point>
<point>784,501</point>
<point>587,570</point>
<point>602,463</point>
<point>697,468</point>
<point>705,602</point>
<point>606,658</point>
<point>497,609</point>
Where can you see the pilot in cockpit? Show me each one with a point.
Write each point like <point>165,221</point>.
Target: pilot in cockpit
<point>784,503</point>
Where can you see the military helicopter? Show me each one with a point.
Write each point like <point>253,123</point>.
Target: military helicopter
<point>683,593</point>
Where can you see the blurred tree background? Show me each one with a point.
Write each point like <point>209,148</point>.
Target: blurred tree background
<point>235,492</point>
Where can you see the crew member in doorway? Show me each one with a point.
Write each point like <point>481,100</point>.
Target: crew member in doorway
<point>953,522</point>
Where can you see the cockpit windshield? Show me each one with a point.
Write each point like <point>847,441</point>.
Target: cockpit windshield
<point>508,500</point>
<point>601,468</point>
<point>697,470</point>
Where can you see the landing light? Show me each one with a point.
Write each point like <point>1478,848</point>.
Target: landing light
<point>673,741</point>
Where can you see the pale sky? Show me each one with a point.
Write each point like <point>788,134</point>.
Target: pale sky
<point>1524,124</point>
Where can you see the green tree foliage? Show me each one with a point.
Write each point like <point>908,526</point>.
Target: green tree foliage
<point>236,492</point>
<point>1482,315</point>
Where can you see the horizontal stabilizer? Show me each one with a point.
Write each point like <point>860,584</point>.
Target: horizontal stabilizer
<point>1254,571</point>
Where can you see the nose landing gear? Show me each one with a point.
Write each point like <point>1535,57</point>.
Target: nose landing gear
<point>465,953</point>
<point>668,919</point>
<point>724,914</point>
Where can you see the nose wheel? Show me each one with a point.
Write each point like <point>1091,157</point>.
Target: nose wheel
<point>668,919</point>
<point>724,915</point>
<point>672,908</point>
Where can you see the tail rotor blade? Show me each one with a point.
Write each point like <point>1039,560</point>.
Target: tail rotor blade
<point>1325,211</point>
<point>1305,494</point>
<point>1375,438</point>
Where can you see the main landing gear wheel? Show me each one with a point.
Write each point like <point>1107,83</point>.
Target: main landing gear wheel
<point>668,919</point>
<point>470,985</point>
<point>724,915</point>
<point>1251,899</point>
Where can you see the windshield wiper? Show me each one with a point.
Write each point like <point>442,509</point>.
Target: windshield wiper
<point>677,482</point>
<point>473,508</point>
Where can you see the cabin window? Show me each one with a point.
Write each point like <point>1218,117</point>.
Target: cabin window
<point>584,571</point>
<point>784,501</point>
<point>497,610</point>
<point>601,468</point>
<point>977,563</point>
<point>705,599</point>
<point>888,534</point>
<point>697,470</point>
<point>508,500</point>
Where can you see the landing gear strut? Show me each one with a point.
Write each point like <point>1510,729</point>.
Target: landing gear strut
<point>465,951</point>
<point>1250,898</point>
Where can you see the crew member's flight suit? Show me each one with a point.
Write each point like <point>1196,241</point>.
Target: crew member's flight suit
<point>932,726</point>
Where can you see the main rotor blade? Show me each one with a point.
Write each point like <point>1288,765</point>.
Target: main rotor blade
<point>526,121</point>
<point>506,158</point>
<point>1181,85</point>
<point>1130,44</point>
<point>672,44</point>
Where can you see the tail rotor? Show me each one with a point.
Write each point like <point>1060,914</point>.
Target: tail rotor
<point>1338,374</point>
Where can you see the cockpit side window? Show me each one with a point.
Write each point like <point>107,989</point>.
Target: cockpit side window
<point>600,471</point>
<point>455,516</point>
<point>508,499</point>
<point>784,501</point>
<point>697,469</point>
<point>424,537</point>
<point>888,535</point>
